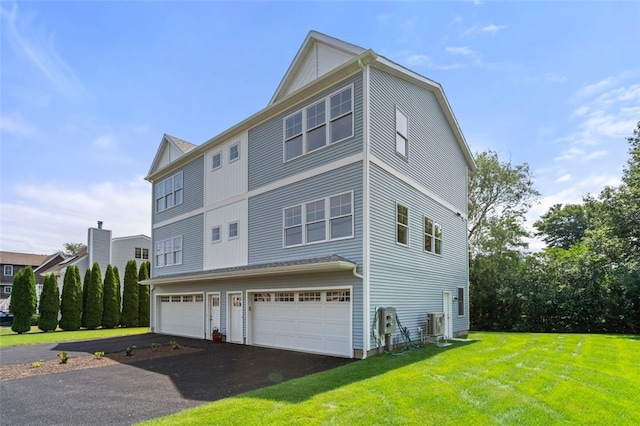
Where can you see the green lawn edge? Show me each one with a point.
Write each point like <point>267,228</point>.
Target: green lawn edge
<point>34,337</point>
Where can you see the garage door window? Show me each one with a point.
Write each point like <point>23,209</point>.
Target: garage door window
<point>310,296</point>
<point>285,297</point>
<point>339,296</point>
<point>164,299</point>
<point>262,297</point>
<point>176,299</point>
<point>199,298</point>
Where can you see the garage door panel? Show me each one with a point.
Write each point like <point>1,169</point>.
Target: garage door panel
<point>181,318</point>
<point>304,321</point>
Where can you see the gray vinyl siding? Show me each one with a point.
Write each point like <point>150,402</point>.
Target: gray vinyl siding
<point>407,277</point>
<point>191,230</point>
<point>333,279</point>
<point>266,158</point>
<point>266,217</point>
<point>435,158</point>
<point>192,190</point>
<point>123,250</point>
<point>99,248</point>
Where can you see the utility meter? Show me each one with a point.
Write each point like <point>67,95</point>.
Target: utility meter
<point>387,320</point>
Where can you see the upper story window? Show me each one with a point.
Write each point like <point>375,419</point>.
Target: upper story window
<point>460,301</point>
<point>234,152</point>
<point>402,133</point>
<point>8,270</point>
<point>233,230</point>
<point>141,253</point>
<point>7,289</point>
<point>216,234</point>
<point>169,192</point>
<point>432,236</point>
<point>321,220</point>
<point>402,224</point>
<point>216,160</point>
<point>169,252</point>
<point>306,130</point>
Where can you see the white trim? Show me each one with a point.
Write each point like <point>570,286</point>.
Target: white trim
<point>213,241</point>
<point>230,295</point>
<point>405,137</point>
<point>345,161</point>
<point>155,298</point>
<point>447,295</point>
<point>366,240</point>
<point>396,223</point>
<point>155,253</point>
<point>233,237</point>
<point>416,185</point>
<point>165,195</point>
<point>432,235</point>
<point>208,312</point>
<point>232,160</point>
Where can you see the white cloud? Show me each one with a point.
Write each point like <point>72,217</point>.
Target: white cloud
<point>595,88</point>
<point>459,50</point>
<point>492,28</point>
<point>40,218</point>
<point>40,51</point>
<point>595,154</point>
<point>417,59</point>
<point>564,178</point>
<point>15,125</point>
<point>487,29</point>
<point>103,142</point>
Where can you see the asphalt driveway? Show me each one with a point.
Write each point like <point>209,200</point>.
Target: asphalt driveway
<point>145,389</point>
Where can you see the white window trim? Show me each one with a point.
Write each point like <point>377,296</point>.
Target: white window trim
<point>327,123</point>
<point>5,289</point>
<point>404,156</point>
<point>233,160</point>
<point>237,223</point>
<point>432,235</point>
<point>463,300</point>
<point>172,194</point>
<point>219,234</point>
<point>327,220</point>
<point>219,152</point>
<point>398,223</point>
<point>7,267</point>
<point>155,254</point>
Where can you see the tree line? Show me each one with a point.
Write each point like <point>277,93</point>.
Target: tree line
<point>90,303</point>
<point>587,279</point>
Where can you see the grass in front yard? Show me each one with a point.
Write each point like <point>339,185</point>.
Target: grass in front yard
<point>36,336</point>
<point>501,378</point>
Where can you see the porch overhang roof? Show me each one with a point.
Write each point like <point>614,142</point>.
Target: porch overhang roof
<point>332,263</point>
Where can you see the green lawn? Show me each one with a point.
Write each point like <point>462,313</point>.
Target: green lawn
<point>35,336</point>
<point>498,378</point>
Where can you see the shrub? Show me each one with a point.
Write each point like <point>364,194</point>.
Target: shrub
<point>110,314</point>
<point>23,300</point>
<point>129,350</point>
<point>37,364</point>
<point>71,303</point>
<point>144,305</point>
<point>98,355</point>
<point>64,357</point>
<point>85,290</point>
<point>94,299</point>
<point>35,320</point>
<point>49,304</point>
<point>155,345</point>
<point>174,344</point>
<point>130,296</point>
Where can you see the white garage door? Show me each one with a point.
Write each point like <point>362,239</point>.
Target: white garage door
<point>181,315</point>
<point>317,321</point>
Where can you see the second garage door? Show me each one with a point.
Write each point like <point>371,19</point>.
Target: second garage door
<point>181,315</point>
<point>317,321</point>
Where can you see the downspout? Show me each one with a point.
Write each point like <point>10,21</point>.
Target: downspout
<point>365,212</point>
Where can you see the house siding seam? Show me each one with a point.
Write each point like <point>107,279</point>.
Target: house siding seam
<point>191,230</point>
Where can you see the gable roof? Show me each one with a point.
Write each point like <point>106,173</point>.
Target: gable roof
<point>318,55</point>
<point>320,58</point>
<point>22,259</point>
<point>170,149</point>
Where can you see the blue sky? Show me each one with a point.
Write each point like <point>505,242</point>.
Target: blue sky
<point>87,89</point>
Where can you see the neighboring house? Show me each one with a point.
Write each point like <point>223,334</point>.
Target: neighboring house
<point>11,263</point>
<point>347,193</point>
<point>105,250</point>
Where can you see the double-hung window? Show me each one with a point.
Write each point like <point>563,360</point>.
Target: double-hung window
<point>432,236</point>
<point>233,230</point>
<point>8,270</point>
<point>141,253</point>
<point>169,192</point>
<point>234,152</point>
<point>326,219</point>
<point>169,252</point>
<point>460,301</point>
<point>306,130</point>
<point>402,224</point>
<point>402,133</point>
<point>216,160</point>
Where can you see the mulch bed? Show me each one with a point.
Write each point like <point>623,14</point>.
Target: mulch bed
<point>19,371</point>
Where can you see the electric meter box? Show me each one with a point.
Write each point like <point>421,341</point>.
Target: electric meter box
<point>387,318</point>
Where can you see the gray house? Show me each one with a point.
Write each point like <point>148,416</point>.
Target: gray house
<point>347,193</point>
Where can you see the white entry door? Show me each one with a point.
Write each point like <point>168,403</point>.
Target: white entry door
<point>235,318</point>
<point>447,308</point>
<point>214,313</point>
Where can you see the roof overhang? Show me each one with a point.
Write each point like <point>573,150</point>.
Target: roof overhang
<point>253,271</point>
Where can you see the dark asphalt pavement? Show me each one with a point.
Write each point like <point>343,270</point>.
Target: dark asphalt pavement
<point>128,393</point>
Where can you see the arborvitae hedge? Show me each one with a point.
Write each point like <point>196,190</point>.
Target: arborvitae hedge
<point>143,296</point>
<point>85,291</point>
<point>71,304</point>
<point>116,274</point>
<point>94,299</point>
<point>23,300</point>
<point>130,295</point>
<point>49,304</point>
<point>110,314</point>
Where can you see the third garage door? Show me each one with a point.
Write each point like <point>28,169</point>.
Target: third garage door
<point>317,321</point>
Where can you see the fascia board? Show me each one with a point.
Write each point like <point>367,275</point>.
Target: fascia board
<point>279,270</point>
